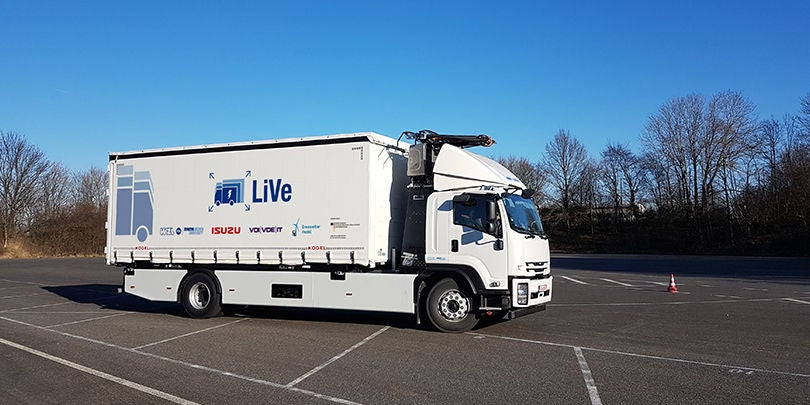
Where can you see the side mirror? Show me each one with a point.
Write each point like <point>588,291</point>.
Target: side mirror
<point>492,211</point>
<point>490,227</point>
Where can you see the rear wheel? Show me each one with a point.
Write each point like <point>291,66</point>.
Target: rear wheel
<point>449,307</point>
<point>200,297</point>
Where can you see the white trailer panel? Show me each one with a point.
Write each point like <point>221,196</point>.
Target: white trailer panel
<point>155,285</point>
<point>359,291</point>
<point>337,199</point>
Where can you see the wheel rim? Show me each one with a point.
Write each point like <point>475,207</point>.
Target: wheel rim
<point>199,296</point>
<point>453,306</point>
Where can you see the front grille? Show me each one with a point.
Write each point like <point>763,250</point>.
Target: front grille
<point>537,267</point>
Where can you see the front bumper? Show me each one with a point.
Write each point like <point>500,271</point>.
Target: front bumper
<point>539,292</point>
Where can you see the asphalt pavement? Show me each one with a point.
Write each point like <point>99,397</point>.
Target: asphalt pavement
<point>737,331</point>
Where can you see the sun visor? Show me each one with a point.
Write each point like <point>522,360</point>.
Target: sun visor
<point>456,168</point>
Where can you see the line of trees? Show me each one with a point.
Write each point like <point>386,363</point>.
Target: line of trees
<point>44,207</point>
<point>711,178</point>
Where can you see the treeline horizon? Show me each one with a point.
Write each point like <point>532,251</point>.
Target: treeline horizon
<point>712,179</point>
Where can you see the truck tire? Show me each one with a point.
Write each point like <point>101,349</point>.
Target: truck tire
<point>450,307</point>
<point>200,297</point>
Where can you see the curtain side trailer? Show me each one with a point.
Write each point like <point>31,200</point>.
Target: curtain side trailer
<point>352,221</point>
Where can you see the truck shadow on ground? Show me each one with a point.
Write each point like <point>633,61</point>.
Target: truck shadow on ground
<point>107,297</point>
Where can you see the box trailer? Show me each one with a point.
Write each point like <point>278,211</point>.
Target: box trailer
<point>352,221</point>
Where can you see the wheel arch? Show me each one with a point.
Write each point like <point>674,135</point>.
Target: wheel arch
<point>190,272</point>
<point>464,275</point>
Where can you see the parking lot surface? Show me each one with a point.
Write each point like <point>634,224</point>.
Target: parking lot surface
<point>737,331</point>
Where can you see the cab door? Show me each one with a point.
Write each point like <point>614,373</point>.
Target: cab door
<point>475,236</point>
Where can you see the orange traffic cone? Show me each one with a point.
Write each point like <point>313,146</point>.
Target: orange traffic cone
<point>672,287</point>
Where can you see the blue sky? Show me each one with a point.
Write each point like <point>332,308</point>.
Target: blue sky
<point>82,78</point>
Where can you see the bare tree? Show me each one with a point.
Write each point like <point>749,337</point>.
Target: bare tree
<point>585,191</point>
<point>22,166</point>
<point>611,176</point>
<point>672,136</point>
<point>530,173</point>
<point>55,188</point>
<point>563,165</point>
<point>91,187</point>
<point>804,116</point>
<point>696,140</point>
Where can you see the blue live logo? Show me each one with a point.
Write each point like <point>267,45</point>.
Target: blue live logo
<point>271,190</point>
<point>229,192</point>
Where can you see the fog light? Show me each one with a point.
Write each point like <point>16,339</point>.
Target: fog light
<point>523,293</point>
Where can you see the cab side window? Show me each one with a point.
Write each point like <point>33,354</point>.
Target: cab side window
<point>471,214</point>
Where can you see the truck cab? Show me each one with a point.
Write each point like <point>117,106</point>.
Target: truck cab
<point>482,230</point>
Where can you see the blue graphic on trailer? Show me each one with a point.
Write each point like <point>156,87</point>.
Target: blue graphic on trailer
<point>134,199</point>
<point>229,192</point>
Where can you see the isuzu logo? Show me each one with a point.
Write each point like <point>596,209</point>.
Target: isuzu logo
<point>226,230</point>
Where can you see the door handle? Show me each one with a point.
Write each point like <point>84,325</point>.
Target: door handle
<point>454,245</point>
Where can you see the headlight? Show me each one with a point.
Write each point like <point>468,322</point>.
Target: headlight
<point>523,293</point>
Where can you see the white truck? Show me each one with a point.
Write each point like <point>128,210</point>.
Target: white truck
<point>353,221</point>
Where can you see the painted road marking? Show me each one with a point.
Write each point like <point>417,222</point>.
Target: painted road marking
<point>23,296</point>
<point>333,359</point>
<point>643,356</point>
<point>100,374</point>
<point>616,282</point>
<point>19,286</point>
<point>795,300</point>
<point>187,364</point>
<point>574,280</point>
<point>588,377</point>
<point>755,289</point>
<point>88,320</point>
<point>728,296</point>
<point>630,304</point>
<point>36,306</point>
<point>21,282</point>
<point>104,297</point>
<point>188,334</point>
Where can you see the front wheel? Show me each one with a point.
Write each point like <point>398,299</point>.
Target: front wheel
<point>200,297</point>
<point>449,307</point>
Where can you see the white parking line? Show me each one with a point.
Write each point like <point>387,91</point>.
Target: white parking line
<point>35,306</point>
<point>66,312</point>
<point>630,304</point>
<point>616,282</point>
<point>645,356</point>
<point>795,300</point>
<point>728,296</point>
<point>190,365</point>
<point>189,334</point>
<point>88,320</point>
<point>56,304</point>
<point>333,359</point>
<point>574,280</point>
<point>586,374</point>
<point>100,374</point>
<point>19,286</point>
<point>21,282</point>
<point>23,296</point>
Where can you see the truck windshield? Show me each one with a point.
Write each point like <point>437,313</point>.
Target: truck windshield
<point>523,215</point>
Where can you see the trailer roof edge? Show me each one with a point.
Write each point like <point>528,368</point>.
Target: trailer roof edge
<point>262,144</point>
